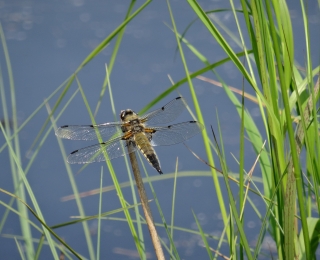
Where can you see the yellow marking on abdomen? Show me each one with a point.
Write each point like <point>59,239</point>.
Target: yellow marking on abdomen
<point>143,144</point>
<point>147,150</point>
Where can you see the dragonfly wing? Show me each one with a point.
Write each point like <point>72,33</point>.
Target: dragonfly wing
<point>99,152</point>
<point>165,114</point>
<point>88,132</point>
<point>174,134</point>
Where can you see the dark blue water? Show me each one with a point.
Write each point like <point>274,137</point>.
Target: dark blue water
<point>47,40</point>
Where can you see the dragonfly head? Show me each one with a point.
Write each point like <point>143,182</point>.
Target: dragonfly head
<point>127,114</point>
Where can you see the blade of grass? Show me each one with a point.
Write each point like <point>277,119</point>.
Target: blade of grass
<point>104,43</point>
<point>115,181</point>
<point>241,42</point>
<point>293,173</point>
<point>46,229</point>
<point>241,166</point>
<point>184,80</point>
<point>314,90</point>
<point>30,192</point>
<point>132,183</point>
<point>234,212</point>
<point>302,136</point>
<point>113,58</point>
<point>189,231</point>
<point>103,215</point>
<point>266,217</point>
<point>99,218</point>
<point>81,210</point>
<point>314,226</point>
<point>201,120</point>
<point>264,55</point>
<point>237,104</point>
<point>19,249</point>
<point>233,235</point>
<point>173,203</point>
<point>225,46</point>
<point>204,239</point>
<point>25,122</point>
<point>40,244</point>
<point>221,240</point>
<point>20,189</point>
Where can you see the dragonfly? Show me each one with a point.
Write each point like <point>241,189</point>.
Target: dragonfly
<point>132,133</point>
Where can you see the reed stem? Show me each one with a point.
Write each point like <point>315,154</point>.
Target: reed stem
<point>145,206</point>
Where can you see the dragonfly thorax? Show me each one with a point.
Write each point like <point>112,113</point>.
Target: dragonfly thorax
<point>131,121</point>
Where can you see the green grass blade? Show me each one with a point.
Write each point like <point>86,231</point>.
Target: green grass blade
<point>30,192</point>
<point>46,229</point>
<point>104,43</point>
<point>113,58</point>
<point>20,189</point>
<point>241,167</point>
<point>294,178</point>
<point>204,239</point>
<point>37,110</point>
<point>314,225</point>
<point>115,181</point>
<point>184,80</point>
<point>201,120</point>
<point>40,244</point>
<point>314,150</point>
<point>225,46</point>
<point>132,182</point>
<point>74,187</point>
<point>19,249</point>
<point>99,218</point>
<point>235,215</point>
<point>173,203</point>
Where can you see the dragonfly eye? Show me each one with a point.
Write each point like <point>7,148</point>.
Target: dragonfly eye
<point>125,113</point>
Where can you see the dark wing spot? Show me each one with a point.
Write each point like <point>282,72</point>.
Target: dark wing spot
<point>178,98</point>
<point>162,108</point>
<point>74,152</point>
<point>169,126</point>
<point>91,125</point>
<point>64,126</point>
<point>192,121</point>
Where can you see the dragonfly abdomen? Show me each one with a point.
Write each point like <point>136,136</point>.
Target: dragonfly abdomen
<point>147,150</point>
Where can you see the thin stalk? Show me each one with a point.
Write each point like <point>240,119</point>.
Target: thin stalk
<point>99,218</point>
<point>145,205</point>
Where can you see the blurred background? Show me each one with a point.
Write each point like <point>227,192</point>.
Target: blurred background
<point>47,41</point>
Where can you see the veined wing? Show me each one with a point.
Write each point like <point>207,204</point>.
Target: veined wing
<point>174,134</point>
<point>95,153</point>
<point>165,114</point>
<point>88,132</point>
